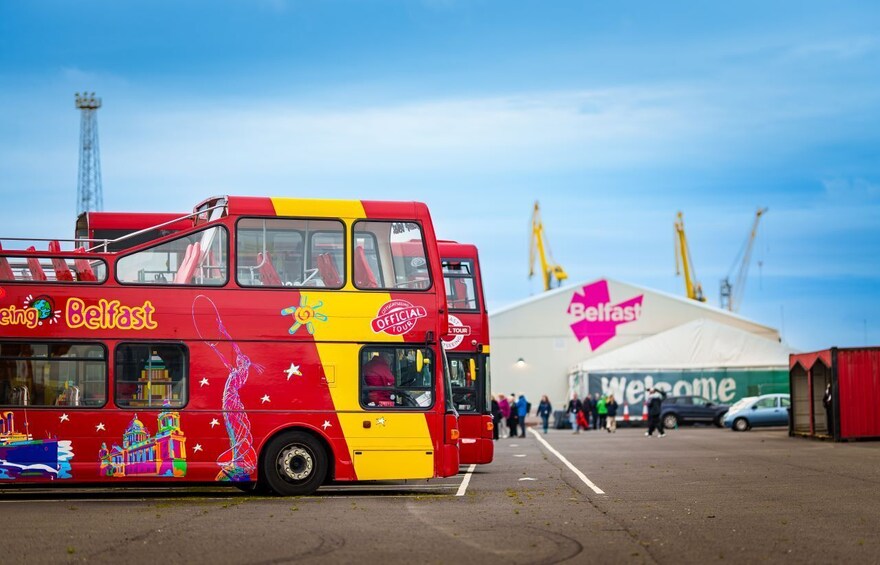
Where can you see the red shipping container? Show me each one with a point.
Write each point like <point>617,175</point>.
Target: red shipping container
<point>854,377</point>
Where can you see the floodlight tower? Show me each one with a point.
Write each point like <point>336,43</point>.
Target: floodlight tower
<point>89,196</point>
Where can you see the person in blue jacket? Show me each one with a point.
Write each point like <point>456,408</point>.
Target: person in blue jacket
<point>544,410</point>
<point>522,409</point>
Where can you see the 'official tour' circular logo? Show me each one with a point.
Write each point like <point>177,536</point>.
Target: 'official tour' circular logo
<point>397,317</point>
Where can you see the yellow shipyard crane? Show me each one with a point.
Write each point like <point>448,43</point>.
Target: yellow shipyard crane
<point>732,293</point>
<point>540,248</point>
<point>684,265</point>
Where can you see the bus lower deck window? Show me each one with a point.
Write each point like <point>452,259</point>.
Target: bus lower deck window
<point>53,374</point>
<point>151,375</point>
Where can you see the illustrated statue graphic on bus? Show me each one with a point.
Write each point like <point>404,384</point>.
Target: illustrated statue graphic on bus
<point>239,461</point>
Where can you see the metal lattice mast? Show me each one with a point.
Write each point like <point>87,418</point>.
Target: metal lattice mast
<point>89,194</point>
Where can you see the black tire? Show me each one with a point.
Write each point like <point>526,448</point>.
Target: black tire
<point>670,421</point>
<point>740,425</point>
<point>719,421</point>
<point>294,464</point>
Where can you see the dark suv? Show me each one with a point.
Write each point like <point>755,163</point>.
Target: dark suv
<point>680,410</point>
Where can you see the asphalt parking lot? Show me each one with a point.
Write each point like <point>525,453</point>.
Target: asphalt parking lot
<point>697,495</point>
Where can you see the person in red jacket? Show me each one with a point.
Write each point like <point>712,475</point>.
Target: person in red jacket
<point>377,372</point>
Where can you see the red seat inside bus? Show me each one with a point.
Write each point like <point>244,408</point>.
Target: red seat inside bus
<point>328,271</point>
<point>268,275</point>
<point>188,265</point>
<point>34,267</point>
<point>62,271</point>
<point>84,270</point>
<point>363,275</point>
<point>459,294</point>
<point>6,273</point>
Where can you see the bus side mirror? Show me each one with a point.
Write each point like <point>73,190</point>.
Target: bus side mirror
<point>420,361</point>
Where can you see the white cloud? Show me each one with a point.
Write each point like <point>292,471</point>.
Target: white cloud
<point>837,48</point>
<point>851,188</point>
<point>515,133</point>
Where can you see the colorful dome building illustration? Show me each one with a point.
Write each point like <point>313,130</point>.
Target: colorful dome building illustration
<point>142,455</point>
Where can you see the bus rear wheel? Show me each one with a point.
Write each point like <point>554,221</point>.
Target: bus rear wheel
<point>294,464</point>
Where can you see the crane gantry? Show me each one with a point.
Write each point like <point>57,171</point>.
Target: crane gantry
<point>731,294</point>
<point>684,265</point>
<point>540,248</point>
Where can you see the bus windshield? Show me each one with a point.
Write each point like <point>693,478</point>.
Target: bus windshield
<point>458,276</point>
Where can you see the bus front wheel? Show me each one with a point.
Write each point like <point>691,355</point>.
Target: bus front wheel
<point>294,464</point>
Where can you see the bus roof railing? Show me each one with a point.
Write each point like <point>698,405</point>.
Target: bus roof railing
<point>95,244</point>
<point>74,241</point>
<point>192,215</point>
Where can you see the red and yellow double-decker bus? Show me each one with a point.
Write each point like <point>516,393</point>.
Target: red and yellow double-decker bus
<point>467,346</point>
<point>274,342</point>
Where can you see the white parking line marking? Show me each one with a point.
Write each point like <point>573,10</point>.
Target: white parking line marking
<point>574,469</point>
<point>467,479</point>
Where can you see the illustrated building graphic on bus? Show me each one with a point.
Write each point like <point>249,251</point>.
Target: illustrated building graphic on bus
<point>142,455</point>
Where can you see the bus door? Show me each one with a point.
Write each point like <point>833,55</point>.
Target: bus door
<point>400,402</point>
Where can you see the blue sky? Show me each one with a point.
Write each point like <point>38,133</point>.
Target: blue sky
<point>613,115</point>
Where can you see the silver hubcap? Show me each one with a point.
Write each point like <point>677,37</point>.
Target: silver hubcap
<point>740,425</point>
<point>295,463</point>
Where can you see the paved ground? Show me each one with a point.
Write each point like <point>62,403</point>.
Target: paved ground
<point>697,495</point>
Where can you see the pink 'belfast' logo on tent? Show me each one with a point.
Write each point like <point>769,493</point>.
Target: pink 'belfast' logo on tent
<point>597,318</point>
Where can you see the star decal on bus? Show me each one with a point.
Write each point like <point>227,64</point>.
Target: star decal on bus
<point>100,427</point>
<point>203,382</point>
<point>304,315</point>
<point>293,371</point>
<point>64,418</point>
<point>265,399</point>
<point>380,422</point>
<point>197,447</point>
<point>326,424</point>
<point>214,422</point>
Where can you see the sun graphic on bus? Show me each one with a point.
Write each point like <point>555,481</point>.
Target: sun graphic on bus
<point>45,307</point>
<point>304,315</point>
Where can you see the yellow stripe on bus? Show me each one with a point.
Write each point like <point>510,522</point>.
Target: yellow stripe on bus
<point>318,208</point>
<point>382,444</point>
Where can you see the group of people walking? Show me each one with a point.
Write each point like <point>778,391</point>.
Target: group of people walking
<point>597,413</point>
<point>509,415</point>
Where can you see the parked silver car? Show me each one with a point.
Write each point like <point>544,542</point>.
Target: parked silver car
<point>765,410</point>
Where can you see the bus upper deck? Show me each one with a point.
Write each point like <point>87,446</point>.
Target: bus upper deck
<point>273,341</point>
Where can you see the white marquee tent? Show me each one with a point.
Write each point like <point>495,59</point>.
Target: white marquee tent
<point>535,343</point>
<point>700,344</point>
